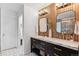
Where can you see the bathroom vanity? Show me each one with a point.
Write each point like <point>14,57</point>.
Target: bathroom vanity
<point>53,46</point>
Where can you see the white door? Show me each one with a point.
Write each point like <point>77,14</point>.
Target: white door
<point>20,35</point>
<point>8,29</point>
<point>0,29</point>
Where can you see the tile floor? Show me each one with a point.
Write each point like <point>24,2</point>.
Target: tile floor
<point>31,54</point>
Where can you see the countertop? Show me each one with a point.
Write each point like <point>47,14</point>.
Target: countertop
<point>65,43</point>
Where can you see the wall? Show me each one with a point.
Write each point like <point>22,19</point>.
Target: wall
<point>10,44</point>
<point>30,17</point>
<point>20,47</point>
<point>9,29</point>
<point>74,7</point>
<point>52,21</point>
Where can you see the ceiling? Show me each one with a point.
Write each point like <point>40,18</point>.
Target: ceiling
<point>17,6</point>
<point>37,6</point>
<point>12,6</point>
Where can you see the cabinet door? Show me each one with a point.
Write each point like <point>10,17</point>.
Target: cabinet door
<point>50,50</point>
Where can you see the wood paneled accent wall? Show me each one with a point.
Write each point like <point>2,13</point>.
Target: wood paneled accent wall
<point>44,15</point>
<point>52,20</point>
<point>75,8</point>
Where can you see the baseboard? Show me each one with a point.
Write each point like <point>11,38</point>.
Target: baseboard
<point>26,53</point>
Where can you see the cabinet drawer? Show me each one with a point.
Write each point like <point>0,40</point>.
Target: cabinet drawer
<point>62,51</point>
<point>39,44</point>
<point>58,49</point>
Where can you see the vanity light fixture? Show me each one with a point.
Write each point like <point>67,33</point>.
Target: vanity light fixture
<point>60,5</point>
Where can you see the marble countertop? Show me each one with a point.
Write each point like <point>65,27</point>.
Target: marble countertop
<point>65,43</point>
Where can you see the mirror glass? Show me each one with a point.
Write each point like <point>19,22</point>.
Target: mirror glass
<point>43,25</point>
<point>65,22</point>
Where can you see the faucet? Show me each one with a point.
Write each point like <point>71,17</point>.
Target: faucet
<point>63,35</point>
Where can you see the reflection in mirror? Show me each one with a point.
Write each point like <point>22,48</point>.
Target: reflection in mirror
<point>66,22</point>
<point>43,25</point>
<point>58,26</point>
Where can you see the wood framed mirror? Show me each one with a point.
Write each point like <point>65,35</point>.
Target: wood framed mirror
<point>66,22</point>
<point>43,26</point>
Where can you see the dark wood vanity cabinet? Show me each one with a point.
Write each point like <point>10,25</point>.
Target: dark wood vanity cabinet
<point>57,50</point>
<point>37,45</point>
<point>50,49</point>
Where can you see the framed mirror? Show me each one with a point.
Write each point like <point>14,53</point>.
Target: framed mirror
<point>66,22</point>
<point>43,26</point>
